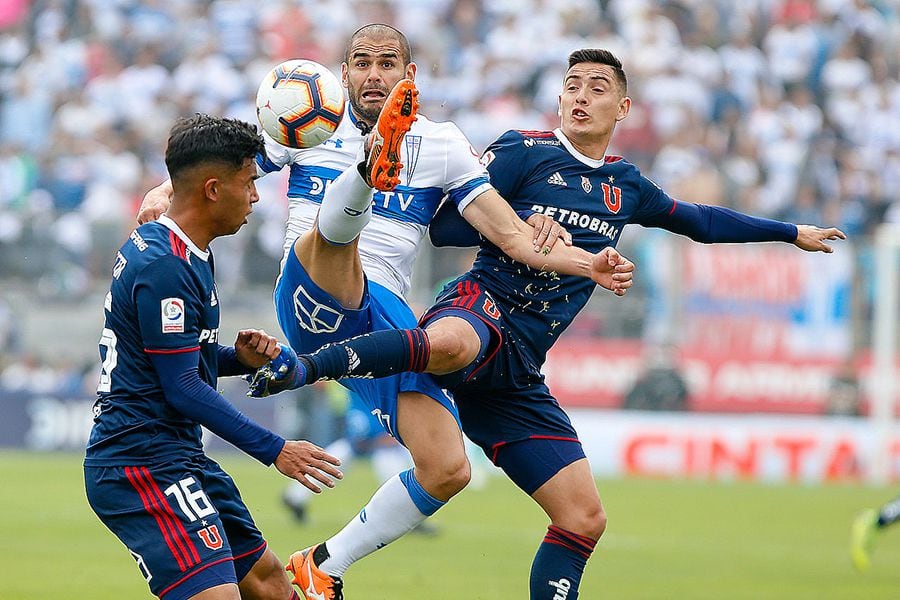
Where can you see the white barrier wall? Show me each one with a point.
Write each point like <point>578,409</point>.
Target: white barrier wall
<point>769,448</point>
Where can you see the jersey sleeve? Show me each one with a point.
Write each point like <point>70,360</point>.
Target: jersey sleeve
<point>505,161</point>
<point>655,204</point>
<point>275,157</point>
<point>706,224</point>
<point>169,306</point>
<point>466,178</point>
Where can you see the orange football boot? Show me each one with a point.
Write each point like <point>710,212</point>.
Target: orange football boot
<point>314,583</point>
<point>396,117</point>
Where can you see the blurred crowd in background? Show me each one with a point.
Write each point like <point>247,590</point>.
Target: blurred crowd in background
<point>782,108</point>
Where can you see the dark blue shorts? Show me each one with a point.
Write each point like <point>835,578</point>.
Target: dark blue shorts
<point>502,398</point>
<point>184,523</point>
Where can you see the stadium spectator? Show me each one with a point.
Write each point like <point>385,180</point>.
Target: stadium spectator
<point>50,49</point>
<point>158,386</point>
<point>660,385</point>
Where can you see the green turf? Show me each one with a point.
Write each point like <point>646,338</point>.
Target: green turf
<point>679,540</point>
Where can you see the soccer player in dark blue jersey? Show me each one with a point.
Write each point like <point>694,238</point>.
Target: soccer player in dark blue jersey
<point>488,334</point>
<point>146,475</point>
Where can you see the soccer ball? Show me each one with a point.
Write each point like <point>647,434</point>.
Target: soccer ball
<point>300,103</point>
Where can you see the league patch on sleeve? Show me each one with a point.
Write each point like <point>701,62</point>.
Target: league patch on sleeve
<point>172,315</point>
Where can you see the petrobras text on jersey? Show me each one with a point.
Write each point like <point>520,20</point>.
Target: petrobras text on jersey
<point>575,218</point>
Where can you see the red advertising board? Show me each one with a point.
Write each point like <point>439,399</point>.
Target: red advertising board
<point>598,373</point>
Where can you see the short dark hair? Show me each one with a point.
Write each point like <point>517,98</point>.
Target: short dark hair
<point>203,138</point>
<point>381,30</point>
<point>602,57</point>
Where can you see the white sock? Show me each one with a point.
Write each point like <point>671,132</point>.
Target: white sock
<point>388,515</point>
<point>346,207</point>
<point>298,494</point>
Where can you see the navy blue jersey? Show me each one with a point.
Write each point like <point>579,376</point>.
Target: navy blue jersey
<point>592,199</point>
<point>162,300</point>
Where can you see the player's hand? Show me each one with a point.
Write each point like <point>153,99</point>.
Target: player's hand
<point>612,271</point>
<point>547,232</point>
<point>308,463</point>
<point>281,373</point>
<point>812,238</point>
<point>255,347</point>
<point>155,203</point>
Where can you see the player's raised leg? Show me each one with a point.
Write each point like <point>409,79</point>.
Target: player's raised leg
<point>441,470</point>
<point>330,248</point>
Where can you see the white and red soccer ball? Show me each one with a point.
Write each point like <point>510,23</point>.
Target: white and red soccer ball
<point>300,103</point>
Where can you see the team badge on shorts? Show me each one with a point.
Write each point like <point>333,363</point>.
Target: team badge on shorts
<point>314,316</point>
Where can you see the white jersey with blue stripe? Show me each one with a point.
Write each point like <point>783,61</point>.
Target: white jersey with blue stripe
<point>438,162</point>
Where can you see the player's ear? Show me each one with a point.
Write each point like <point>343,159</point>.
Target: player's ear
<point>345,75</point>
<point>411,71</point>
<point>624,107</point>
<point>211,189</point>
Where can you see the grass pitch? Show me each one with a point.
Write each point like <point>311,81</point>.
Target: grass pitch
<point>678,540</point>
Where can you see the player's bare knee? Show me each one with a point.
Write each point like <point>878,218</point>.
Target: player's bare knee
<point>453,346</point>
<point>594,522</point>
<point>445,478</point>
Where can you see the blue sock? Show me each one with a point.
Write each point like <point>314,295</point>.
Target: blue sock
<point>377,354</point>
<point>559,563</point>
<point>425,502</point>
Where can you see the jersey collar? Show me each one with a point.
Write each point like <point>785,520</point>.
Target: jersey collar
<point>168,222</point>
<point>591,162</point>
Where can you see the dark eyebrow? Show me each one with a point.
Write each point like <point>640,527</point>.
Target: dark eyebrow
<point>364,54</point>
<point>592,78</point>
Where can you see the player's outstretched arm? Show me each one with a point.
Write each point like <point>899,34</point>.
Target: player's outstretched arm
<point>493,217</point>
<point>155,202</point>
<point>812,238</point>
<point>304,461</point>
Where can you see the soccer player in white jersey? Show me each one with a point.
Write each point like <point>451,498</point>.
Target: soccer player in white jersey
<point>339,280</point>
<point>489,331</point>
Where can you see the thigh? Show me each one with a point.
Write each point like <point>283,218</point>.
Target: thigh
<point>335,268</point>
<point>571,500</point>
<point>429,430</point>
<point>244,537</point>
<point>312,317</point>
<point>164,517</point>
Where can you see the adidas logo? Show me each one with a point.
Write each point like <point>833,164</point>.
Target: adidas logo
<point>557,179</point>
<point>562,588</point>
<point>352,360</point>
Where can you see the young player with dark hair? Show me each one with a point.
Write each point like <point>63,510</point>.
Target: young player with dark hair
<point>489,332</point>
<point>146,474</point>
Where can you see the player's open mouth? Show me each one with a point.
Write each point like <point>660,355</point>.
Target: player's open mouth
<point>579,114</point>
<point>374,95</point>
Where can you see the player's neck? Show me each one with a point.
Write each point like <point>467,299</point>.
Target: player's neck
<point>592,147</point>
<point>197,229</point>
